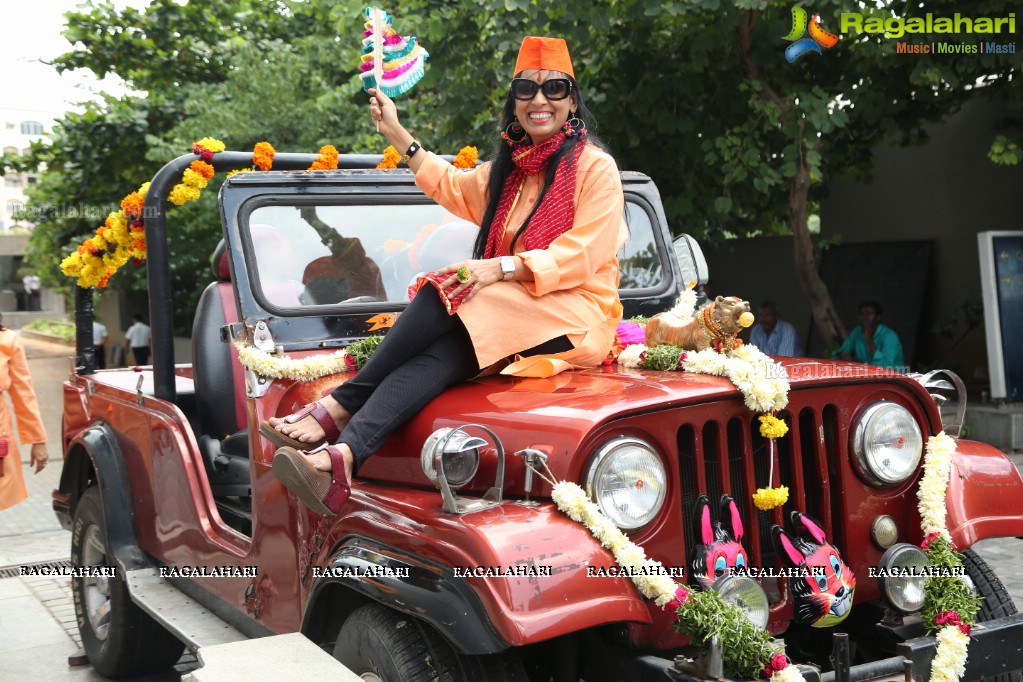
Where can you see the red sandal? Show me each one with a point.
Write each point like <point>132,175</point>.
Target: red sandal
<point>322,491</point>
<point>314,410</point>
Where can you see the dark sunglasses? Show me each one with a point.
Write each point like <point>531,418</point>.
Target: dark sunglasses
<point>554,89</point>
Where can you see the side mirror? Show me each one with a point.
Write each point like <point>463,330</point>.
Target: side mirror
<point>691,261</point>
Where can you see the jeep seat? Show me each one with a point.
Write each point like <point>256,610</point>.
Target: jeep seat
<point>220,386</point>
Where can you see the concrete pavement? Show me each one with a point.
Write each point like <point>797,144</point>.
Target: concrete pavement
<point>37,617</point>
<point>37,624</point>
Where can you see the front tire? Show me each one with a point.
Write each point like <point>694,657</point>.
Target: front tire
<point>120,639</point>
<point>382,645</point>
<point>997,601</point>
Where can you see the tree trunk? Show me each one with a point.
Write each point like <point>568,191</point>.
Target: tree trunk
<point>825,317</point>
<point>824,314</point>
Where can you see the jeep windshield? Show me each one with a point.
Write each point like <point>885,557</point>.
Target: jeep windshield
<point>306,254</point>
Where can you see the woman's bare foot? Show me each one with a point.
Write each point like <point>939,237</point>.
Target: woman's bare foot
<point>307,429</point>
<point>320,460</point>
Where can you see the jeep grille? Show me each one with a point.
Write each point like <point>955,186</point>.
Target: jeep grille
<point>727,454</point>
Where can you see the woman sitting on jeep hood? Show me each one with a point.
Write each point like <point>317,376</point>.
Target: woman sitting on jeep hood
<point>542,288</point>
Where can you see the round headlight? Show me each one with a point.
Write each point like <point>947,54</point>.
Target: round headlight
<point>745,593</point>
<point>627,481</point>
<point>901,577</point>
<point>887,444</point>
<point>460,453</point>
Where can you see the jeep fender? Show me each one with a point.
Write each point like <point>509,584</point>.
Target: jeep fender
<point>94,457</point>
<point>984,494</point>
<point>402,582</point>
<point>545,593</point>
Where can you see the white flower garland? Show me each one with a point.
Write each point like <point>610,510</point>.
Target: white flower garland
<point>304,369</point>
<point>934,483</point>
<point>763,382</point>
<point>685,305</point>
<point>652,583</point>
<point>949,663</point>
<point>576,504</point>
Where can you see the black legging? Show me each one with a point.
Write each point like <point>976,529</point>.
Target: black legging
<point>425,351</point>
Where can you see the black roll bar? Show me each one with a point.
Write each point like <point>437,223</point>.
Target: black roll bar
<point>158,272</point>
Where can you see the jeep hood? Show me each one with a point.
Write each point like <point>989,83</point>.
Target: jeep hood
<point>561,414</point>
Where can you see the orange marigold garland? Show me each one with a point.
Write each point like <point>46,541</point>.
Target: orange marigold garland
<point>263,156</point>
<point>390,160</point>
<point>198,173</point>
<point>327,160</point>
<point>119,239</point>
<point>466,158</point>
<point>122,235</point>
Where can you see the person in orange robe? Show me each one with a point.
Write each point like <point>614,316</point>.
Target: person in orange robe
<point>538,296</point>
<point>17,382</point>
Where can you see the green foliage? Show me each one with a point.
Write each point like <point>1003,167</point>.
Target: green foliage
<point>705,615</point>
<point>1005,152</point>
<point>60,328</point>
<point>665,357</point>
<point>947,593</point>
<point>363,349</point>
<point>698,95</point>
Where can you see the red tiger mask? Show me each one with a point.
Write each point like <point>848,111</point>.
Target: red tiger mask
<point>824,596</point>
<point>718,547</point>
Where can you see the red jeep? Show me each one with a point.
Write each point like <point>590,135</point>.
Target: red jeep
<point>450,561</point>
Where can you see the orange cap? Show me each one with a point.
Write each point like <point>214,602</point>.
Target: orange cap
<point>549,54</point>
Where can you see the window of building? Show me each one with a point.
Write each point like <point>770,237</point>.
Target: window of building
<point>13,207</point>
<point>31,128</point>
<point>12,180</point>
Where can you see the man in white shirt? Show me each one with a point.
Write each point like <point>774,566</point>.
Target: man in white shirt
<point>773,335</point>
<point>138,337</point>
<point>99,341</point>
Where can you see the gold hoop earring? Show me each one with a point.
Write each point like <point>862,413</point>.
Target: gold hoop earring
<point>515,133</point>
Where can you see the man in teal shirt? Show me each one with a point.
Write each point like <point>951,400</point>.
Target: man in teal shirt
<point>872,342</point>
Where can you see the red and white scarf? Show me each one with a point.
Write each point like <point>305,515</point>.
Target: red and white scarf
<point>555,214</point>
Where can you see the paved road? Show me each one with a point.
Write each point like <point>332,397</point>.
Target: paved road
<point>37,622</point>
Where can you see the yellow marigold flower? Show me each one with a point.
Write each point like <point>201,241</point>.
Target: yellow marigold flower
<point>769,498</point>
<point>202,168</point>
<point>182,194</point>
<point>72,265</point>
<point>117,221</point>
<point>239,170</point>
<point>466,157</point>
<point>211,144</point>
<point>772,427</point>
<point>193,179</point>
<point>143,189</point>
<point>132,204</point>
<point>390,160</point>
<point>263,155</point>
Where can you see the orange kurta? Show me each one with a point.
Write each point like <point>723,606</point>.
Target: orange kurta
<point>574,291</point>
<point>17,382</point>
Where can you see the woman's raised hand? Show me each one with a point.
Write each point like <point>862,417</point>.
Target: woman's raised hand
<point>384,114</point>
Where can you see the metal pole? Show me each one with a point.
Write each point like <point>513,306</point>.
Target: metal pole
<point>85,348</point>
<point>840,656</point>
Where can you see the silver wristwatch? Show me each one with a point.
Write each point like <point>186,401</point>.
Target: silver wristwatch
<point>507,267</point>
